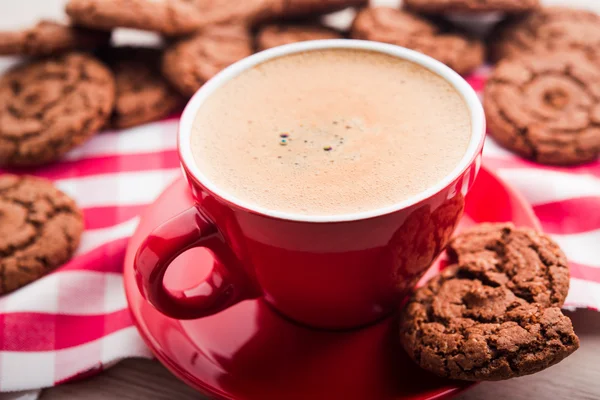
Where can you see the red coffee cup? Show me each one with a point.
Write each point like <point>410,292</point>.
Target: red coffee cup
<point>337,272</point>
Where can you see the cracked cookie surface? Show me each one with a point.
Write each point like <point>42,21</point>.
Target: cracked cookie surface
<point>546,107</point>
<point>549,29</point>
<point>495,313</point>
<point>142,93</point>
<point>189,63</point>
<point>169,17</point>
<point>48,37</point>
<point>528,263</point>
<point>40,229</point>
<point>49,106</point>
<point>471,6</point>
<point>274,35</point>
<point>389,25</point>
<point>183,17</point>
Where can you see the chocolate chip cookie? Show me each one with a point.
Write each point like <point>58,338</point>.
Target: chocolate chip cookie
<point>48,37</point>
<point>40,228</point>
<point>547,30</point>
<point>169,17</point>
<point>142,94</point>
<point>189,63</point>
<point>471,6</point>
<point>384,24</point>
<point>279,34</point>
<point>546,107</point>
<point>495,314</point>
<point>49,106</point>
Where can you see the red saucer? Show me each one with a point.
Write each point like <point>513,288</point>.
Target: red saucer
<point>251,352</point>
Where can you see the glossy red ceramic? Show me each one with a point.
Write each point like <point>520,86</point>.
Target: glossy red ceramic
<point>338,272</point>
<point>250,352</point>
<point>329,275</point>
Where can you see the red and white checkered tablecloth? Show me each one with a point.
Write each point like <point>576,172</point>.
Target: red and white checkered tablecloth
<point>75,321</point>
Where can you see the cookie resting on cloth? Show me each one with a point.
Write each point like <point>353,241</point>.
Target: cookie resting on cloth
<point>548,29</point>
<point>546,107</point>
<point>40,228</point>
<point>52,105</point>
<point>384,24</point>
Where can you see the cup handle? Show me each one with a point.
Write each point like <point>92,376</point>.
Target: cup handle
<point>222,288</point>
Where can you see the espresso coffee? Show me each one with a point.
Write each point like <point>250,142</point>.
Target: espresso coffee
<point>330,132</point>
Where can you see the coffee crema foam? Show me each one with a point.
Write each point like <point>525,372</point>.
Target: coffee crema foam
<point>331,132</point>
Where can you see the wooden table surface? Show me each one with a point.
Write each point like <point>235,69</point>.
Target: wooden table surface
<point>576,378</point>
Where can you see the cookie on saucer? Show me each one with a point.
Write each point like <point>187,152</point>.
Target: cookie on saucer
<point>169,17</point>
<point>142,93</point>
<point>548,29</point>
<point>274,35</point>
<point>546,107</point>
<point>49,106</point>
<point>40,229</point>
<point>495,314</point>
<point>389,25</point>
<point>189,63</point>
<point>49,37</point>
<point>471,6</point>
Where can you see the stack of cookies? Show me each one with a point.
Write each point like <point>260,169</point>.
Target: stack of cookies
<point>72,85</point>
<point>543,100</point>
<point>540,102</point>
<point>40,229</point>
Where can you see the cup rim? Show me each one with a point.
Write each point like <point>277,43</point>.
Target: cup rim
<point>462,87</point>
